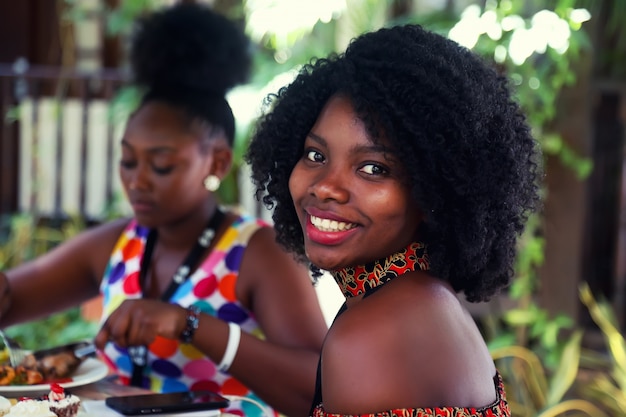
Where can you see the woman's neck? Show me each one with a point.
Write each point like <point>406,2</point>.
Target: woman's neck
<point>362,279</point>
<point>184,233</point>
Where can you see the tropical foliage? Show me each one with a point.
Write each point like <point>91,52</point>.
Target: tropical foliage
<point>607,381</point>
<point>25,240</point>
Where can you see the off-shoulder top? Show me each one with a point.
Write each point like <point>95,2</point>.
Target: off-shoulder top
<point>499,408</point>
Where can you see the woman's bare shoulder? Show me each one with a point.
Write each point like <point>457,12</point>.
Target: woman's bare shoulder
<point>101,237</point>
<point>414,334</point>
<point>90,248</point>
<point>267,260</point>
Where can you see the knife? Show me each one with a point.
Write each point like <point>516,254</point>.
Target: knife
<point>80,349</point>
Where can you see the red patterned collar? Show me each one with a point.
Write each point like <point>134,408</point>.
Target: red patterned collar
<point>361,279</point>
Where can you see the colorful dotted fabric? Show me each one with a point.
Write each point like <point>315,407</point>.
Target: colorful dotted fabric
<point>172,365</point>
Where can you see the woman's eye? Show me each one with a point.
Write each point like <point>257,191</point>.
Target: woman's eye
<point>314,156</point>
<point>128,164</point>
<point>163,171</point>
<point>374,169</point>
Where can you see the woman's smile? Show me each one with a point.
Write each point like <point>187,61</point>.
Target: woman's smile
<point>327,231</point>
<point>329,225</point>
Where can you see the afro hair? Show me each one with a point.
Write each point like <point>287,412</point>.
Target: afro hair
<point>470,159</point>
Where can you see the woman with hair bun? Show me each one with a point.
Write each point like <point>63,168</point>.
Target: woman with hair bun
<point>195,296</point>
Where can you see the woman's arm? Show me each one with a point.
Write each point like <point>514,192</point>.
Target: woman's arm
<point>282,297</point>
<point>64,277</point>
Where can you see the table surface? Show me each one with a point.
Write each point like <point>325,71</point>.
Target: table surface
<point>106,387</point>
<point>99,390</point>
<point>109,386</point>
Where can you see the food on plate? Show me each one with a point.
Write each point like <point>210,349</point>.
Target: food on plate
<point>19,375</point>
<point>58,402</point>
<point>30,408</point>
<point>52,367</point>
<point>5,405</point>
<point>37,369</point>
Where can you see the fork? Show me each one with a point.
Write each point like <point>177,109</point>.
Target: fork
<point>16,352</point>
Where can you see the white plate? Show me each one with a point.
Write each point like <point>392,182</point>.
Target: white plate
<point>91,370</point>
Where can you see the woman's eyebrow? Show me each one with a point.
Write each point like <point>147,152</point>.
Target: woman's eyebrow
<point>153,150</point>
<point>317,138</point>
<point>372,147</point>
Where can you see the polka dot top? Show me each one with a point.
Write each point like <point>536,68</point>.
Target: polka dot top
<point>173,365</point>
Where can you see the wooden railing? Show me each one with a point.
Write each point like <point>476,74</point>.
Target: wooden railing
<point>57,141</point>
<point>59,145</point>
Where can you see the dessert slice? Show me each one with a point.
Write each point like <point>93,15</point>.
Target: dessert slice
<point>62,403</point>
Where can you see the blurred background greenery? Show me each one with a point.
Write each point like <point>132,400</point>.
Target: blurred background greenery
<point>543,46</point>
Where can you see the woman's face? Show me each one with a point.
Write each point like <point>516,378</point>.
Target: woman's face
<point>349,193</point>
<point>162,168</point>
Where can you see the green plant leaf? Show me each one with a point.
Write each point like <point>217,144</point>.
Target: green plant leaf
<point>564,407</point>
<point>12,115</point>
<point>124,103</point>
<point>602,390</point>
<point>522,316</point>
<point>501,341</point>
<point>567,369</point>
<point>605,321</point>
<point>533,372</point>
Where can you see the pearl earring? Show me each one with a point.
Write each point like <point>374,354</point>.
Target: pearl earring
<point>212,183</point>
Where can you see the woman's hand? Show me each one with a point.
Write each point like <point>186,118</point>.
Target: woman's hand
<point>139,322</point>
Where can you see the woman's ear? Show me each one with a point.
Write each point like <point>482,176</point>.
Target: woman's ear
<point>221,158</point>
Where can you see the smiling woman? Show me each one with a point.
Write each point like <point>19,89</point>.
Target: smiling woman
<point>195,296</point>
<point>405,169</point>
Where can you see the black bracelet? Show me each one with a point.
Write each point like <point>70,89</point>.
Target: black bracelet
<point>193,319</point>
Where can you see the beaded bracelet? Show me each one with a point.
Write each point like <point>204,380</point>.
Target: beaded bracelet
<point>193,320</point>
<point>234,336</point>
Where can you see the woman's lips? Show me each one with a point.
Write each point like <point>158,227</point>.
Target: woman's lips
<point>327,231</point>
<point>142,206</point>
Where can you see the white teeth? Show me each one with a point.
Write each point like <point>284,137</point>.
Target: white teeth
<point>327,225</point>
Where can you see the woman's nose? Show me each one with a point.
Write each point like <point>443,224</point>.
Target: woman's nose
<point>138,179</point>
<point>330,185</point>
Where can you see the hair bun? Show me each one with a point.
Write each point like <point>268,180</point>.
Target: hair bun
<point>188,45</point>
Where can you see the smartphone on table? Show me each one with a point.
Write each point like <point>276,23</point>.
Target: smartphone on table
<point>163,403</point>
